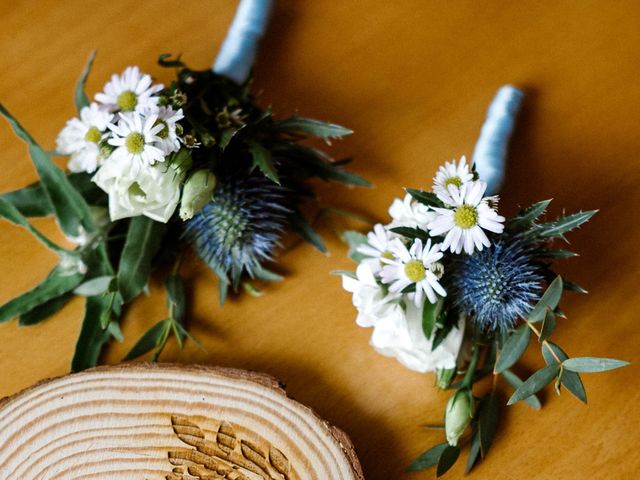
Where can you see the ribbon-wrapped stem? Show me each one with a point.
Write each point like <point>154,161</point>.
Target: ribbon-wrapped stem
<point>490,153</point>
<point>240,46</point>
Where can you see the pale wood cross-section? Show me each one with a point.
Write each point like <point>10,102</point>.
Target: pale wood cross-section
<point>168,422</point>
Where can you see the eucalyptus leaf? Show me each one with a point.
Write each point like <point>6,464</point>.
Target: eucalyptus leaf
<point>44,310</point>
<point>447,460</point>
<point>430,314</point>
<point>548,326</point>
<point>313,127</point>
<point>153,338</point>
<point>564,224</point>
<point>428,459</point>
<point>176,300</point>
<point>549,300</point>
<point>515,381</point>
<point>534,383</point>
<point>593,364</point>
<point>56,284</point>
<point>70,208</point>
<point>92,336</point>
<point>570,380</point>
<point>303,228</point>
<point>513,348</point>
<point>487,422</point>
<point>262,159</point>
<point>80,96</point>
<point>143,241</point>
<point>95,286</point>
<point>474,451</point>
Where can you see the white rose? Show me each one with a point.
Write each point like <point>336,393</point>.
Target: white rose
<point>399,334</point>
<point>369,298</point>
<point>410,213</point>
<point>135,188</point>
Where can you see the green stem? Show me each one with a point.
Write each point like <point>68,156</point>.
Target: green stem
<point>467,381</point>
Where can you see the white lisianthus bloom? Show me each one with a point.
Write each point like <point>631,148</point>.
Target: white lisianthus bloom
<point>399,334</point>
<point>168,118</point>
<point>451,174</point>
<point>409,213</point>
<point>135,137</point>
<point>131,91</point>
<point>135,188</point>
<point>377,247</point>
<point>417,265</point>
<point>369,298</point>
<point>464,222</point>
<point>80,138</point>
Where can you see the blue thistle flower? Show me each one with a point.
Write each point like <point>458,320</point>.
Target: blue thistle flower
<point>241,226</point>
<point>498,285</point>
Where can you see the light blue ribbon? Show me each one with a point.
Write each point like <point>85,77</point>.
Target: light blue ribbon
<point>490,153</point>
<point>240,46</point>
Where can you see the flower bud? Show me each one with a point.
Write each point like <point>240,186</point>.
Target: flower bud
<point>444,377</point>
<point>181,161</point>
<point>458,415</point>
<point>196,193</point>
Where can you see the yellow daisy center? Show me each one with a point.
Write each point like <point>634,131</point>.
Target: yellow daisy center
<point>127,101</point>
<point>457,181</point>
<point>465,216</point>
<point>134,143</point>
<point>415,271</point>
<point>93,135</point>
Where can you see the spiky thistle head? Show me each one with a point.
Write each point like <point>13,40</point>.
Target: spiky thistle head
<point>241,226</point>
<point>498,285</point>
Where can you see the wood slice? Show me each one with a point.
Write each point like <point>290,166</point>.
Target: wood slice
<point>170,422</point>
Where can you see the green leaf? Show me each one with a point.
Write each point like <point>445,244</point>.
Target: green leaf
<point>411,233</point>
<point>534,383</point>
<point>164,61</point>
<point>428,459</point>
<point>80,96</point>
<point>426,198</point>
<point>488,422</point>
<point>95,286</point>
<point>57,283</point>
<point>430,314</point>
<point>153,338</point>
<point>593,364</point>
<point>70,208</point>
<point>564,224</point>
<point>262,159</point>
<point>11,213</point>
<point>303,228</point>
<point>570,380</point>
<point>527,216</point>
<point>474,451</point>
<point>143,241</point>
<point>548,301</point>
<point>114,329</point>
<point>441,333</point>
<point>261,273</point>
<point>513,348</point>
<point>573,287</point>
<point>355,240</point>
<point>558,253</point>
<point>44,310</point>
<point>548,326</point>
<point>313,127</point>
<point>92,337</point>
<point>515,381</point>
<point>176,301</point>
<point>447,460</point>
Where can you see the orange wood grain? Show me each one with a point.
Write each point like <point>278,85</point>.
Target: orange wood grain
<point>413,79</point>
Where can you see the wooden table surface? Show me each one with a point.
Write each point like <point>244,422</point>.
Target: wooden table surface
<point>413,79</point>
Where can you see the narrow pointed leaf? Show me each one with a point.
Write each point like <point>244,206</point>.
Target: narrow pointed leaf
<point>548,326</point>
<point>527,216</point>
<point>355,240</point>
<point>266,275</point>
<point>176,300</point>
<point>513,348</point>
<point>153,338</point>
<point>474,452</point>
<point>534,383</point>
<point>303,228</point>
<point>70,208</point>
<point>262,159</point>
<point>573,287</point>
<point>92,337</point>
<point>571,380</point>
<point>548,301</point>
<point>564,224</point>
<point>411,233</point>
<point>95,286</point>
<point>428,459</point>
<point>488,422</point>
<point>313,127</point>
<point>558,253</point>
<point>44,310</point>
<point>143,241</point>
<point>447,460</point>
<point>430,314</point>
<point>426,198</point>
<point>80,96</point>
<point>515,381</point>
<point>593,364</point>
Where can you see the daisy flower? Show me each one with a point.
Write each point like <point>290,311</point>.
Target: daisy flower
<point>131,91</point>
<point>168,118</point>
<point>378,246</point>
<point>135,137</point>
<point>451,174</point>
<point>80,138</point>
<point>409,213</point>
<point>464,222</point>
<point>418,265</point>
